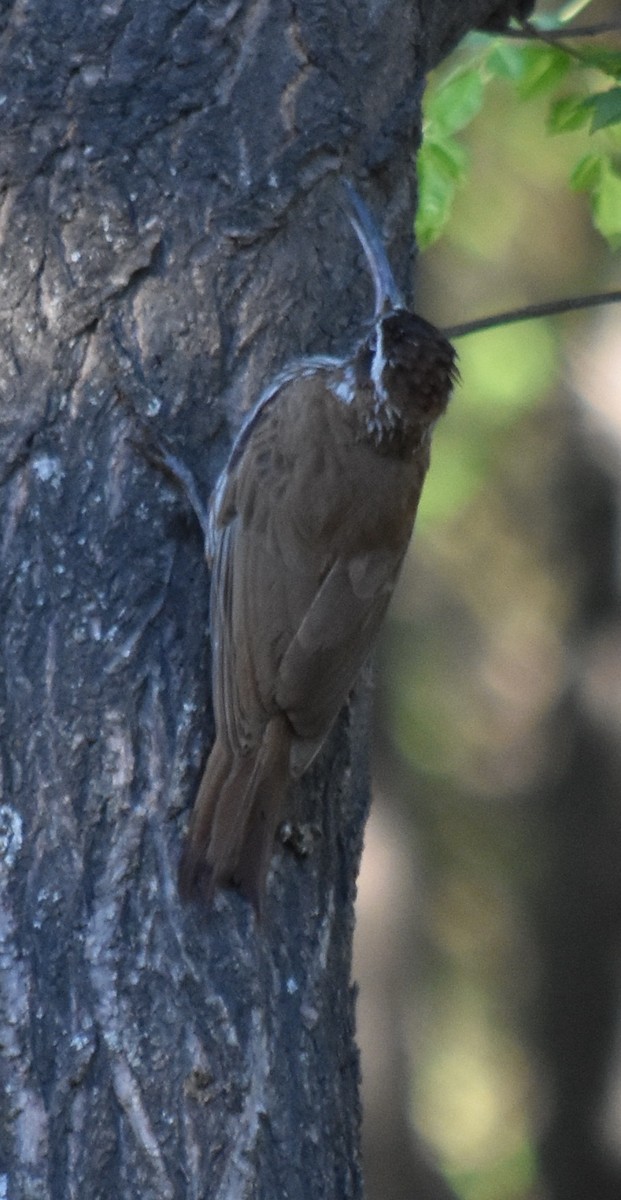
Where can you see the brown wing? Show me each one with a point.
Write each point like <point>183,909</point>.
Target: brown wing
<point>306,556</point>
<point>332,643</point>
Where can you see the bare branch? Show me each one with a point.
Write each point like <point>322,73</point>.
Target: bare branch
<point>533,32</point>
<point>551,308</point>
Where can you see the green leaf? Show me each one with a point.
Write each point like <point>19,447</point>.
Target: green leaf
<point>456,101</point>
<point>608,61</point>
<point>544,67</point>
<point>587,172</point>
<point>435,199</point>
<point>597,175</point>
<point>432,215</point>
<point>447,158</point>
<point>605,107</point>
<point>438,175</point>
<point>607,206</point>
<point>506,60</point>
<point>571,112</point>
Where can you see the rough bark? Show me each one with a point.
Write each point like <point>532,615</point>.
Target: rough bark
<point>170,236</point>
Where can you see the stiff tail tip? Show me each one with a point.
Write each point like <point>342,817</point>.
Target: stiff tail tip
<point>237,811</point>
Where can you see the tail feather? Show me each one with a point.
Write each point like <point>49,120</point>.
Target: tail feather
<point>223,784</point>
<point>236,814</point>
<point>269,790</point>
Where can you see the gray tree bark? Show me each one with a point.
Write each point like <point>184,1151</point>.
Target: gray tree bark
<point>171,235</point>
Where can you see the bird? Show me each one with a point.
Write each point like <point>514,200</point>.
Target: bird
<point>305,534</point>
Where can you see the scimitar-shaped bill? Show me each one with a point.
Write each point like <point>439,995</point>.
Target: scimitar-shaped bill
<point>387,294</point>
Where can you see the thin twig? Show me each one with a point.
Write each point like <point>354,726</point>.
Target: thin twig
<point>558,43</point>
<point>529,31</point>
<point>551,308</point>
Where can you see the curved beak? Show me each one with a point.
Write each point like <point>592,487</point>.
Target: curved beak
<point>387,294</point>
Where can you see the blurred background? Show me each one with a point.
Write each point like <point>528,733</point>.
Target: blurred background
<point>489,934</point>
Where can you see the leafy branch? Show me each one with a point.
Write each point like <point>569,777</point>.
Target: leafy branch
<point>544,64</point>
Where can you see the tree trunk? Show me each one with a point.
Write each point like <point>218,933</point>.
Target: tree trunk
<point>171,235</point>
